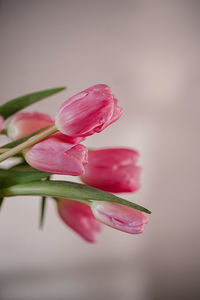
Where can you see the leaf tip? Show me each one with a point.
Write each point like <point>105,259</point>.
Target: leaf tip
<point>62,88</point>
<point>148,211</point>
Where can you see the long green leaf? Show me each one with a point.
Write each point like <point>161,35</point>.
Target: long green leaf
<point>11,107</point>
<point>24,138</point>
<point>66,189</point>
<point>10,177</point>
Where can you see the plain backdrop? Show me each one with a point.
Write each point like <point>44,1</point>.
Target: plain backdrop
<point>148,52</point>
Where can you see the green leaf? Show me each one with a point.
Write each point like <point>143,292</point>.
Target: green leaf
<point>11,107</point>
<point>22,166</point>
<point>10,177</point>
<point>21,140</point>
<point>66,189</point>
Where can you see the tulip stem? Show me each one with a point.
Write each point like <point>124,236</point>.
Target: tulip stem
<point>2,150</point>
<point>31,141</point>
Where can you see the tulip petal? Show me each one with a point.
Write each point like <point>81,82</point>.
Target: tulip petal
<point>25,123</point>
<point>113,170</point>
<point>80,218</point>
<point>88,112</point>
<point>55,155</point>
<point>120,217</point>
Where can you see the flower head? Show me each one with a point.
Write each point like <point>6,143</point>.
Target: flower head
<point>87,112</point>
<point>119,216</point>
<point>25,123</point>
<point>80,218</point>
<point>113,170</point>
<point>56,155</point>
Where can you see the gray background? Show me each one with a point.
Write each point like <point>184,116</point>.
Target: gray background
<point>148,52</point>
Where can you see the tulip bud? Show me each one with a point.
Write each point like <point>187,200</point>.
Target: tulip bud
<point>25,123</point>
<point>113,170</point>
<point>80,218</point>
<point>87,112</point>
<point>120,217</point>
<point>56,155</point>
<point>1,123</point>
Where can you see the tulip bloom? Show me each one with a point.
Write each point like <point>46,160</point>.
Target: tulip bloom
<point>87,112</point>
<point>56,155</point>
<point>1,123</point>
<point>119,216</point>
<point>25,123</point>
<point>80,218</point>
<point>113,170</point>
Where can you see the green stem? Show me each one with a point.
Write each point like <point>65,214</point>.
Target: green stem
<point>43,207</point>
<point>2,150</point>
<point>42,211</point>
<point>1,202</point>
<point>31,141</point>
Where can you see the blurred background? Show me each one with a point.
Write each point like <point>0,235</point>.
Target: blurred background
<point>148,52</point>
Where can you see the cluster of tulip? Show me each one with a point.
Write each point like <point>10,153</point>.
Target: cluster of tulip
<point>58,150</point>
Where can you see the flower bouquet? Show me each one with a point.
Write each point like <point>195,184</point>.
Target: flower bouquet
<point>45,147</point>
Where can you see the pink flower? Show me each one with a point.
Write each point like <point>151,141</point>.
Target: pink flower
<point>25,123</point>
<point>80,218</point>
<point>113,170</point>
<point>56,155</point>
<point>87,112</point>
<point>119,216</point>
<point>1,123</point>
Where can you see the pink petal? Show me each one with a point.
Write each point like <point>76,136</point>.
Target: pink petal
<point>80,218</point>
<point>120,217</point>
<point>113,170</point>
<point>55,155</point>
<point>25,123</point>
<point>88,112</point>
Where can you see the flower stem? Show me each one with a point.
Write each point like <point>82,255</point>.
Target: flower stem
<point>2,150</point>
<point>31,141</point>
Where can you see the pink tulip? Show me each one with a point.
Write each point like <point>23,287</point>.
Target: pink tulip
<point>89,111</point>
<point>56,155</point>
<point>119,216</point>
<point>1,123</point>
<point>25,123</point>
<point>80,218</point>
<point>113,170</point>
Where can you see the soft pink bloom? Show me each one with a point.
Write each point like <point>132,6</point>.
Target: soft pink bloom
<point>113,170</point>
<point>1,122</point>
<point>87,112</point>
<point>56,155</point>
<point>80,218</point>
<point>119,216</point>
<point>25,123</point>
